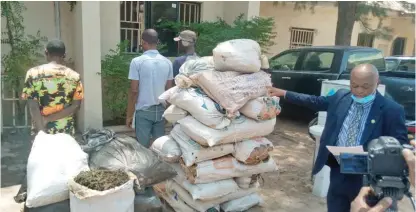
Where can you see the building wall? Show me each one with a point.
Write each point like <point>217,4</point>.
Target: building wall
<point>324,20</point>
<point>286,17</point>
<point>211,10</point>
<point>39,16</point>
<point>110,25</point>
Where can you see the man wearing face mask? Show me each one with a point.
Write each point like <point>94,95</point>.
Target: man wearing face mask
<point>186,44</point>
<point>353,118</point>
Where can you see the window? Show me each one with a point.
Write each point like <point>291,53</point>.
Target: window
<point>318,61</point>
<point>391,64</point>
<point>301,37</point>
<point>135,16</point>
<point>398,46</point>
<point>189,12</point>
<point>285,61</point>
<point>372,57</point>
<point>365,39</point>
<point>407,65</point>
<point>132,23</point>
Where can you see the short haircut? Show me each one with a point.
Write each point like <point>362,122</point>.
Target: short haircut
<point>55,47</point>
<point>150,36</point>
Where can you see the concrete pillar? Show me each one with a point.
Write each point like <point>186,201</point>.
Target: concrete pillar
<point>87,40</point>
<point>253,9</point>
<point>232,9</point>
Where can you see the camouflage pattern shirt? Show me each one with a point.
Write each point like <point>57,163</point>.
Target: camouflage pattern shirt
<point>54,87</point>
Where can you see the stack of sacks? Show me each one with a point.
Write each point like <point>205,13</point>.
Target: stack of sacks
<point>224,116</point>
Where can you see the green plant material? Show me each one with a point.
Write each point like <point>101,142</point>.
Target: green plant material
<point>115,84</point>
<point>210,34</point>
<point>101,180</point>
<point>114,79</point>
<point>25,50</point>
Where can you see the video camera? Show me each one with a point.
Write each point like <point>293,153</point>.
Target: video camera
<point>384,169</point>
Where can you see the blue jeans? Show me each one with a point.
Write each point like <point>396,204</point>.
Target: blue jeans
<point>149,124</point>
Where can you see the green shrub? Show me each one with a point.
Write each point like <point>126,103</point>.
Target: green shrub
<point>115,83</point>
<point>211,33</point>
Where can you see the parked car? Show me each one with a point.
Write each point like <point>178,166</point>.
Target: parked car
<point>303,70</point>
<point>400,63</point>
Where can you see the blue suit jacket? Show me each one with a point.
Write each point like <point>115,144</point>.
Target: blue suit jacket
<point>388,116</point>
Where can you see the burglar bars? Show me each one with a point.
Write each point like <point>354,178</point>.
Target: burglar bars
<point>189,12</point>
<point>300,37</point>
<point>132,23</point>
<point>9,98</point>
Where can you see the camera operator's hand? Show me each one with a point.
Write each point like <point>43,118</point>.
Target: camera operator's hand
<point>360,205</point>
<point>409,156</point>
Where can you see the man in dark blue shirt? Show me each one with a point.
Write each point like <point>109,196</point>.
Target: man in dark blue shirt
<point>186,44</point>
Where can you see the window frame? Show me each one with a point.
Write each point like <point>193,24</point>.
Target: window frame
<point>299,51</point>
<point>371,37</point>
<point>198,6</point>
<point>140,29</point>
<point>347,56</point>
<point>307,52</point>
<point>295,45</point>
<point>148,21</point>
<point>400,62</point>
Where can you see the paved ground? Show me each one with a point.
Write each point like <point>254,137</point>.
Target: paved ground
<point>288,190</point>
<point>14,153</point>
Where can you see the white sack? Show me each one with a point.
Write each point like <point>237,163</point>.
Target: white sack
<point>241,55</point>
<point>243,182</point>
<point>192,152</point>
<point>242,204</point>
<point>205,191</point>
<point>232,90</point>
<point>248,181</point>
<point>120,198</point>
<point>174,113</point>
<point>172,199</point>
<point>53,160</point>
<point>240,128</point>
<point>200,106</point>
<point>262,108</point>
<point>191,67</point>
<point>203,206</point>
<point>164,97</point>
<point>252,151</point>
<point>224,168</point>
<point>167,149</point>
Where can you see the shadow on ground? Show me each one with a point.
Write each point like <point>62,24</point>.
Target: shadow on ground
<point>15,148</point>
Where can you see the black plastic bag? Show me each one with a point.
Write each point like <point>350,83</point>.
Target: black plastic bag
<point>147,201</point>
<point>124,152</point>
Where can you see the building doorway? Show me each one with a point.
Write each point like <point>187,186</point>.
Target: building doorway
<point>398,46</point>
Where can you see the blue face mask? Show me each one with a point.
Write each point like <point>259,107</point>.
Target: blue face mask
<point>364,100</point>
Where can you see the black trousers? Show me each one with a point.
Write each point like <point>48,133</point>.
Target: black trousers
<point>343,189</point>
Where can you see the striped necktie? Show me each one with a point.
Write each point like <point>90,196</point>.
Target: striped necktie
<point>355,126</point>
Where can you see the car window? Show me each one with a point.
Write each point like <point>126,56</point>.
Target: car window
<point>372,57</point>
<point>318,61</point>
<point>406,65</point>
<point>391,64</point>
<point>285,61</point>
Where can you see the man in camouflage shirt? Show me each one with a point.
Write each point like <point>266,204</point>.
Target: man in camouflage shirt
<point>54,93</point>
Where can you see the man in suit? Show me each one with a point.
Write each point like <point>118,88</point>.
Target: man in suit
<point>353,118</point>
